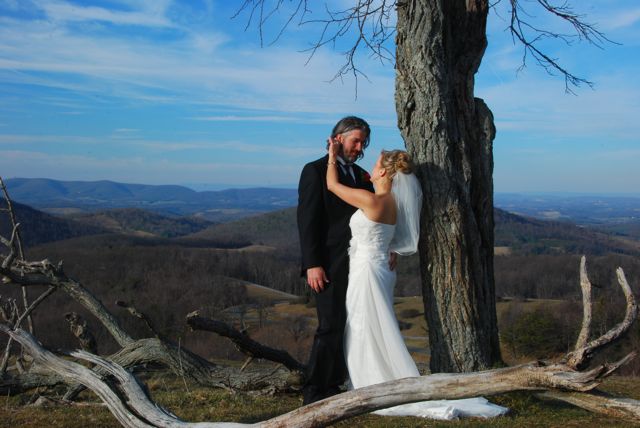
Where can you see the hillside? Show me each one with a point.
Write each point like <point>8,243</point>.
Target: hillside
<point>525,235</point>
<point>521,235</point>
<point>276,229</point>
<point>37,227</point>
<point>142,222</point>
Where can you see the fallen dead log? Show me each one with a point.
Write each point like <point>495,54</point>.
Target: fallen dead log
<point>597,402</point>
<point>533,376</point>
<point>18,383</point>
<point>187,365</point>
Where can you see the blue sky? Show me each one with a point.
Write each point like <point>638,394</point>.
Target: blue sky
<point>177,92</point>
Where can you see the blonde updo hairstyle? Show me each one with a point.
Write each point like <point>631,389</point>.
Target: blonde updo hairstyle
<point>395,161</point>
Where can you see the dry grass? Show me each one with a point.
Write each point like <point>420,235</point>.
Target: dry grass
<point>502,251</point>
<point>202,404</point>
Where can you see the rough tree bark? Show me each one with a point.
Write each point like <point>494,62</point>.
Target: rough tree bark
<point>449,133</point>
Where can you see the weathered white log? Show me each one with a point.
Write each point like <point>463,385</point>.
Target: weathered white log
<point>621,408</point>
<point>134,410</point>
<point>77,373</point>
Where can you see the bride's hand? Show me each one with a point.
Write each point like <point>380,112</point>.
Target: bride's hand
<point>334,148</point>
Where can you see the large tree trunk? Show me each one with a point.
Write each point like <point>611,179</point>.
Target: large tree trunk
<point>449,133</point>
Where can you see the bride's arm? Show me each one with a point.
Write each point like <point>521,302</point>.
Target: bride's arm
<point>359,198</point>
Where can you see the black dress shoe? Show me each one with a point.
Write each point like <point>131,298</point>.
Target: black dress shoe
<point>333,391</point>
<point>310,394</point>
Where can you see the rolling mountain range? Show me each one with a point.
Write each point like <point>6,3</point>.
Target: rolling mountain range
<point>64,197</point>
<point>73,196</point>
<point>245,216</point>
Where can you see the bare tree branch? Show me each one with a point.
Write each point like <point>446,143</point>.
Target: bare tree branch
<point>18,322</point>
<point>370,22</point>
<point>580,357</point>
<point>530,36</point>
<point>18,243</point>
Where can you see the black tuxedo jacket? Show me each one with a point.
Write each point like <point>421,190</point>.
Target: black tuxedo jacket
<point>323,218</point>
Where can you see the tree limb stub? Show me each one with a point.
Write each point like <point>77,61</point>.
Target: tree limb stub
<point>587,306</point>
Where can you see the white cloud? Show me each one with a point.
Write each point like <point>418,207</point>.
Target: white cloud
<point>536,106</point>
<point>45,139</point>
<point>618,19</point>
<point>151,14</point>
<point>233,118</point>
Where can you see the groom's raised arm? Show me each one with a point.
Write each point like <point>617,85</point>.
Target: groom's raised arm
<point>310,217</point>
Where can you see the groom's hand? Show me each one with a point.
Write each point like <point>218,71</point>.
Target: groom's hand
<point>393,261</point>
<point>316,278</point>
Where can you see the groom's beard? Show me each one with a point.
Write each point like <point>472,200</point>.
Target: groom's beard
<point>347,159</point>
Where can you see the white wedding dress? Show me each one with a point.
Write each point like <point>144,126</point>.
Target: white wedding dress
<point>374,349</point>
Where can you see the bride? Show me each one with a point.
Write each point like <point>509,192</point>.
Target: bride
<point>386,221</point>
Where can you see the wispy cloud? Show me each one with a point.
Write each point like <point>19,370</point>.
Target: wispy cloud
<point>544,109</point>
<point>150,14</point>
<point>193,68</point>
<point>619,19</point>
<point>231,118</point>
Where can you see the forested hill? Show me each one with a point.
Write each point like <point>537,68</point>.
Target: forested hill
<point>524,235</point>
<point>142,222</point>
<point>517,234</point>
<point>37,227</point>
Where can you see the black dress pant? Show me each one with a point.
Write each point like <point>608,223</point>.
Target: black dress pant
<point>327,369</point>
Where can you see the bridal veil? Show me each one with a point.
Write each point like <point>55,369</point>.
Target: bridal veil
<point>408,196</point>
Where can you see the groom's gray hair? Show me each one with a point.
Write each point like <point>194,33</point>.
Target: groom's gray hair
<point>349,123</point>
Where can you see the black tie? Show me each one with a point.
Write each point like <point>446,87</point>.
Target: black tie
<point>348,169</point>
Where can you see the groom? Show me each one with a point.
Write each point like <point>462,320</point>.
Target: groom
<point>323,225</point>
